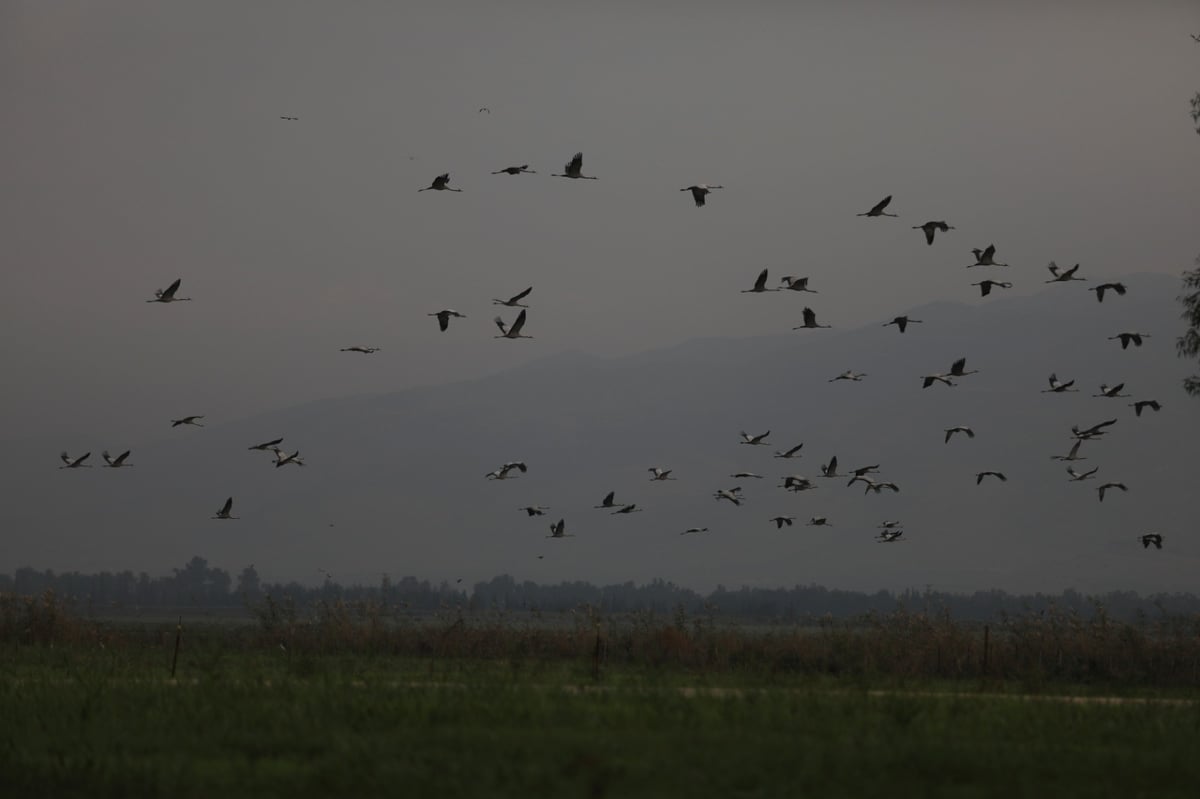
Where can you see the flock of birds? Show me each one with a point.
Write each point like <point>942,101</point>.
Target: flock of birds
<point>889,531</point>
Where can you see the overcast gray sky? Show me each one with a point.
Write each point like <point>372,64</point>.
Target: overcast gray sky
<point>143,143</point>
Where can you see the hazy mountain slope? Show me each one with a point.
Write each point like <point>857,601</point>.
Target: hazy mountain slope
<point>400,476</point>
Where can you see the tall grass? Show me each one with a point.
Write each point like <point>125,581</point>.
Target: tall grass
<point>1028,651</point>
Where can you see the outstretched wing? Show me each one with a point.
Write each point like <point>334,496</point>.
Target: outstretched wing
<point>761,282</point>
<point>443,321</point>
<point>170,290</point>
<point>810,317</point>
<point>522,295</point>
<point>500,324</point>
<point>517,325</point>
<point>575,164</point>
<point>879,206</point>
<point>228,506</point>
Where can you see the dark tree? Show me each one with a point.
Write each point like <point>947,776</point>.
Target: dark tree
<point>248,585</point>
<point>1188,344</point>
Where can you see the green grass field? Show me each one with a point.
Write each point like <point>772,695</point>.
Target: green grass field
<point>79,720</point>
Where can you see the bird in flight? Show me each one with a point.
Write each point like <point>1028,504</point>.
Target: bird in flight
<point>862,471</point>
<point>1105,486</point>
<point>439,184</point>
<point>818,521</point>
<point>797,483</point>
<point>1077,477</point>
<point>830,469</point>
<point>516,170</point>
<point>117,462</point>
<point>780,521</point>
<point>1094,431</point>
<point>574,169</point>
<point>931,228</point>
<point>515,330</point>
<point>1119,288</point>
<point>794,452</point>
<point>986,257</point>
<point>630,508</point>
<point>889,536</point>
<point>659,473</point>
<point>290,119</point>
<point>980,475</point>
<point>903,322</point>
<point>1059,387</point>
<point>609,501</point>
<point>283,459</point>
<point>751,475</point>
<point>1129,336</point>
<point>1111,391</point>
<point>877,209</point>
<point>986,286</point>
<point>74,463</point>
<point>187,420</point>
<point>1141,405</point>
<point>878,487</point>
<point>699,190</point>
<point>758,439</point>
<point>483,110</point>
<point>797,284</point>
<point>929,380</point>
<point>1063,276</point>
<point>849,374</point>
<point>959,368</point>
<point>810,321</point>
<point>1151,538</point>
<point>514,301</point>
<point>1073,455</point>
<point>692,530</point>
<point>505,472</point>
<point>760,285</point>
<point>267,444</point>
<point>559,530</point>
<point>168,294</point>
<point>950,431</point>
<point>226,511</point>
<point>363,350</point>
<point>731,494</point>
<point>535,510</point>
<point>444,315</point>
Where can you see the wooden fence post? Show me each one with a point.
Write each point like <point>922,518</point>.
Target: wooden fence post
<point>175,656</point>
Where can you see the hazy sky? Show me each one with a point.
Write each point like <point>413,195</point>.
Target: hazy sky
<point>143,143</point>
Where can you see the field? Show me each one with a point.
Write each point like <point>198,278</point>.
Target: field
<point>457,706</point>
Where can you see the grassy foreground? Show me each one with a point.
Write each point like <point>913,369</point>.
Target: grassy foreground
<point>82,722</point>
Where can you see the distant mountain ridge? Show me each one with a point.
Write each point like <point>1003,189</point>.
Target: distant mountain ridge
<point>395,482</point>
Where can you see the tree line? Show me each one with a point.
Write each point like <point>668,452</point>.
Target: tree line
<point>200,586</point>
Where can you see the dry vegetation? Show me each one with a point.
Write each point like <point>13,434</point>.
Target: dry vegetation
<point>1030,651</point>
